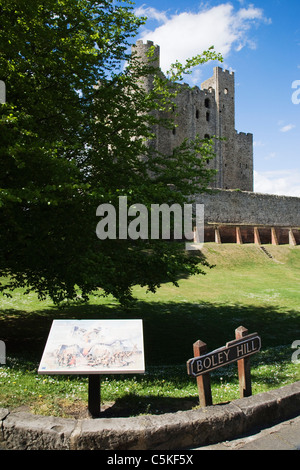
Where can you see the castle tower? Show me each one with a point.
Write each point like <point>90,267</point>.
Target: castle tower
<point>223,84</point>
<point>2,92</point>
<point>142,51</point>
<point>147,54</point>
<point>207,111</point>
<point>234,154</point>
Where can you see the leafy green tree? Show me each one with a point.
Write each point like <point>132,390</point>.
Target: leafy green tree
<point>75,133</point>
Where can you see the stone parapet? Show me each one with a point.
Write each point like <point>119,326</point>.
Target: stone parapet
<point>248,208</point>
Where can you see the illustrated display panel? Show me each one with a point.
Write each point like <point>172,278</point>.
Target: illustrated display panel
<point>94,346</point>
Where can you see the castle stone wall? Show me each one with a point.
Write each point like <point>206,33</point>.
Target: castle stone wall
<point>206,111</point>
<point>209,110</point>
<point>247,208</point>
<point>244,164</point>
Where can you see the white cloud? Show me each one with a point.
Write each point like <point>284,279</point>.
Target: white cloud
<point>287,128</point>
<point>188,33</point>
<point>280,182</point>
<point>151,13</point>
<point>258,143</point>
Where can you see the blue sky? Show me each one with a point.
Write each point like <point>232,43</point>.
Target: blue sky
<point>260,42</point>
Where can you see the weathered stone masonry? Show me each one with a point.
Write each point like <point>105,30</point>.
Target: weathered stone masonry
<point>233,213</point>
<point>208,111</point>
<point>247,217</point>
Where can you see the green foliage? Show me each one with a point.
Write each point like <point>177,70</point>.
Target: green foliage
<point>178,70</point>
<point>68,145</point>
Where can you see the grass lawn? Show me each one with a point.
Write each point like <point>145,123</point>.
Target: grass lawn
<point>244,288</point>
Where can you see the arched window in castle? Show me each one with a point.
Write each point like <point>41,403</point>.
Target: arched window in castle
<point>207,116</point>
<point>225,91</point>
<point>197,114</point>
<point>207,103</point>
<point>174,131</point>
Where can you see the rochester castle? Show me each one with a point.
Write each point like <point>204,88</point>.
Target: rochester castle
<point>233,212</point>
<point>208,111</point>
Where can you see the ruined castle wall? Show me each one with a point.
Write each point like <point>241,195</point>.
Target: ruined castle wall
<point>236,151</point>
<point>247,208</point>
<point>196,114</point>
<point>243,170</point>
<point>207,111</point>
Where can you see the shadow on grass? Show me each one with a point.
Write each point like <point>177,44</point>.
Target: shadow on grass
<point>132,405</point>
<point>170,328</point>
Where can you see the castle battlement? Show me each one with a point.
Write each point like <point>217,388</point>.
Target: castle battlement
<point>223,71</point>
<point>147,43</point>
<point>142,49</point>
<point>228,72</point>
<point>244,134</point>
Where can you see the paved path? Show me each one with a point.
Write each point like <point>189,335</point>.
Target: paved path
<point>283,436</point>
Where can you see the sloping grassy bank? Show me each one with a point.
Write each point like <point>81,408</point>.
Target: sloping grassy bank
<point>246,287</point>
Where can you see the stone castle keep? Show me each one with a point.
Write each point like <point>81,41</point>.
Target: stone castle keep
<point>233,212</point>
<point>209,111</point>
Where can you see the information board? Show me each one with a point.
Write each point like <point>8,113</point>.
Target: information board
<point>94,347</point>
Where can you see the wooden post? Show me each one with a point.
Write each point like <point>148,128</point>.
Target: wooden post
<point>195,235</point>
<point>244,367</point>
<point>239,239</point>
<point>203,381</point>
<point>94,397</point>
<point>256,236</point>
<point>274,237</point>
<point>217,236</point>
<point>292,240</point>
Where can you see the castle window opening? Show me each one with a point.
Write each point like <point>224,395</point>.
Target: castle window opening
<point>207,117</point>
<point>225,91</point>
<point>197,113</point>
<point>174,130</point>
<point>207,103</point>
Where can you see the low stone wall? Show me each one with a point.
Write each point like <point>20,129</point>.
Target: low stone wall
<point>247,208</point>
<point>171,431</point>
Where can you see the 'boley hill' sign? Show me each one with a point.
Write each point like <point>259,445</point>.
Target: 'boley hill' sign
<point>232,352</point>
<point>239,350</point>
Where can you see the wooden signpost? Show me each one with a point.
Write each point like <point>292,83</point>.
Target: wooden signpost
<point>238,350</point>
